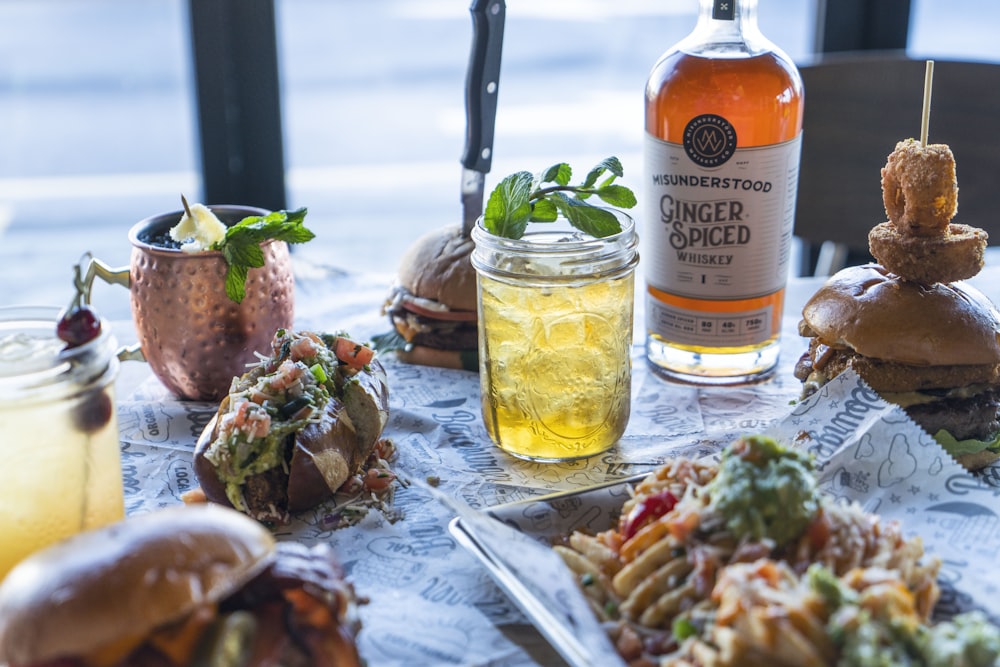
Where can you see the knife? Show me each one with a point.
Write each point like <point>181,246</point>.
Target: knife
<point>482,87</point>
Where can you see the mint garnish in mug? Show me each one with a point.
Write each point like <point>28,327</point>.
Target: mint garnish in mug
<point>241,245</point>
<point>523,197</point>
<point>199,230</point>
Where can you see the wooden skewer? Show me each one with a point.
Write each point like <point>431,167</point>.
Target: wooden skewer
<point>926,116</point>
<point>186,208</point>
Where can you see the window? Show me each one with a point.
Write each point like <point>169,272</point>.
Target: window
<point>374,102</point>
<point>958,29</point>
<point>98,126</point>
<point>96,130</point>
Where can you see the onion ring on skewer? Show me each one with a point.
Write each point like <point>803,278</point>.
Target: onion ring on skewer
<point>956,254</point>
<point>919,188</point>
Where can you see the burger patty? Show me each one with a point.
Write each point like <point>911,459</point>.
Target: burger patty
<point>304,639</point>
<point>890,375</point>
<point>438,334</point>
<point>297,565</point>
<point>286,634</point>
<point>973,417</point>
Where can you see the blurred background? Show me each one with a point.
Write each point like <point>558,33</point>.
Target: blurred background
<point>99,115</point>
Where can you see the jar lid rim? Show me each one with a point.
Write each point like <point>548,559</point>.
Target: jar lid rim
<point>33,359</point>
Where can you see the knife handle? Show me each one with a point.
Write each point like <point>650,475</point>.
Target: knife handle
<point>482,82</point>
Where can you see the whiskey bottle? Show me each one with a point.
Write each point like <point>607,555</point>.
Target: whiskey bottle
<point>722,144</point>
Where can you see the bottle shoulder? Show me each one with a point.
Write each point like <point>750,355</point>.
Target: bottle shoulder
<point>761,96</point>
<point>772,70</point>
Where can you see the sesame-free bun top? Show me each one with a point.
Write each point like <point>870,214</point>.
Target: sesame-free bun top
<point>438,267</point>
<point>878,315</point>
<point>125,579</point>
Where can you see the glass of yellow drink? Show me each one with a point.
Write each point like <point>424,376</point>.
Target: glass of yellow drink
<point>59,440</point>
<point>555,339</point>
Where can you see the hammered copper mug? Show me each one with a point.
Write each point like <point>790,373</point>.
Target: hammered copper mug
<point>195,339</point>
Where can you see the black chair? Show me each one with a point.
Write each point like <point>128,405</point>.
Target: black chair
<point>857,106</point>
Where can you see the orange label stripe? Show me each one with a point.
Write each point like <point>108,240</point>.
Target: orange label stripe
<point>774,300</point>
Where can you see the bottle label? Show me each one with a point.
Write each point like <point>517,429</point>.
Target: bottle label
<point>718,231</point>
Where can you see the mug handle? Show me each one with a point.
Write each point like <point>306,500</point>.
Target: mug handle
<point>120,276</point>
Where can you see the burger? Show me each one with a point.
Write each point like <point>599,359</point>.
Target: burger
<point>189,585</point>
<point>432,305</point>
<point>933,349</point>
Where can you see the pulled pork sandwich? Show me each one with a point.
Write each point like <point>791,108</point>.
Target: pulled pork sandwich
<point>296,428</point>
<point>432,306</point>
<point>189,585</point>
<point>932,349</point>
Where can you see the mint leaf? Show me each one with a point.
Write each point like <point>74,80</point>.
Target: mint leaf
<point>557,173</point>
<point>241,249</point>
<point>617,195</point>
<point>597,222</point>
<point>236,282</point>
<point>244,255</point>
<point>544,210</point>
<point>521,198</point>
<point>611,164</point>
<point>508,208</point>
<point>296,216</point>
<point>278,225</point>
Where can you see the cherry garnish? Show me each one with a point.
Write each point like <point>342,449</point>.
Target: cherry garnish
<point>93,412</point>
<point>78,326</point>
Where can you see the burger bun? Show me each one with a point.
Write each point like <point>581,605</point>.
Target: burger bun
<point>438,267</point>
<point>126,579</point>
<point>433,305</point>
<point>878,315</point>
<point>423,355</point>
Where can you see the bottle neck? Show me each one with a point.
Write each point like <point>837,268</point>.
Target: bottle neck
<point>731,12</point>
<point>728,28</point>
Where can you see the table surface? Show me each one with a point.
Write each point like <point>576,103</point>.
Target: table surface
<point>428,599</point>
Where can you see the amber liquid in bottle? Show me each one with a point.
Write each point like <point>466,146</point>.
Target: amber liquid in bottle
<point>759,92</point>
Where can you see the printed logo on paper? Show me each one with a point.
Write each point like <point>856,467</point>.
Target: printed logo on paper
<point>709,140</point>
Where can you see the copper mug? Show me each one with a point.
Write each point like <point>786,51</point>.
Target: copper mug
<point>195,339</point>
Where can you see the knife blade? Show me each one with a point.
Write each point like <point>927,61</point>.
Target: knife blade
<point>482,87</point>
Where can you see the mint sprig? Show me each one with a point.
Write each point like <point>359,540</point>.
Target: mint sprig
<point>241,249</point>
<point>523,197</point>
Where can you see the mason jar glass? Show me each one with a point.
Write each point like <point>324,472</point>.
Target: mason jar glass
<point>59,440</point>
<point>555,338</point>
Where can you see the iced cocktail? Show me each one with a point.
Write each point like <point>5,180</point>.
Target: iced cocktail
<point>59,440</point>
<point>555,314</point>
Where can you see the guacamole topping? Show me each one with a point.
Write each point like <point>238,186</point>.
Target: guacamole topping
<point>872,629</point>
<point>874,643</point>
<point>968,640</point>
<point>765,490</point>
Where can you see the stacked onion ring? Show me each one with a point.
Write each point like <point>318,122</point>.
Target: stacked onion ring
<point>919,242</point>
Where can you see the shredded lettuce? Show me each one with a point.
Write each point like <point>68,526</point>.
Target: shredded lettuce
<point>969,446</point>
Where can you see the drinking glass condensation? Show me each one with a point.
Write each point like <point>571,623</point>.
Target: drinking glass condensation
<point>555,338</point>
<point>59,443</point>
